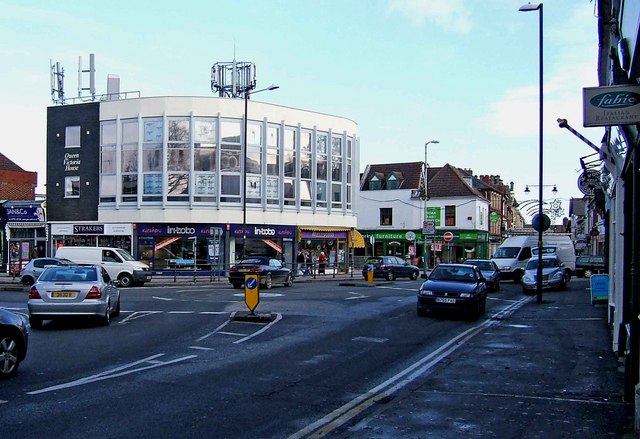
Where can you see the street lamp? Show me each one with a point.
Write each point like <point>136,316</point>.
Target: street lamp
<point>247,92</point>
<point>528,8</point>
<point>425,263</point>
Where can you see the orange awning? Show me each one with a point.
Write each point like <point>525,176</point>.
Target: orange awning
<point>273,245</point>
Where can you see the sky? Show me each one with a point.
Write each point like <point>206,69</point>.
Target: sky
<point>462,72</point>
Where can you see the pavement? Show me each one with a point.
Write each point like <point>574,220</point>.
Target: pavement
<point>539,370</point>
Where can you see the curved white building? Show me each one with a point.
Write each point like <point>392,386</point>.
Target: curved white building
<point>149,173</point>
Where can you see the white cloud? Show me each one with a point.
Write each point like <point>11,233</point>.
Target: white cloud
<point>450,14</point>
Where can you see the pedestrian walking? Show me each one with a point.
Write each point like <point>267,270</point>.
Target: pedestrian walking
<point>322,263</point>
<point>300,260</point>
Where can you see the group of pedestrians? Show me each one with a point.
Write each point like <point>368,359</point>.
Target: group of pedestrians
<point>306,261</point>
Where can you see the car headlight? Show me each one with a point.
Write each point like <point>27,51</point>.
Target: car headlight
<point>506,268</point>
<point>558,275</point>
<point>465,295</point>
<point>425,292</point>
<point>528,277</point>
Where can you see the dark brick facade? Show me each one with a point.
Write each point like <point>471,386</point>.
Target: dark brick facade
<point>85,207</point>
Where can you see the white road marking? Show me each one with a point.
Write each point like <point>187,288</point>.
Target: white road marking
<point>262,294</point>
<point>162,298</point>
<point>115,373</point>
<point>371,339</point>
<point>3,401</point>
<point>214,331</point>
<point>343,414</point>
<point>180,312</point>
<point>137,315</point>
<point>355,296</point>
<point>237,334</point>
<point>255,334</point>
<point>201,348</point>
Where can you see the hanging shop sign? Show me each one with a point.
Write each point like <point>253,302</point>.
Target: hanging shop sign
<point>589,181</point>
<point>614,105</point>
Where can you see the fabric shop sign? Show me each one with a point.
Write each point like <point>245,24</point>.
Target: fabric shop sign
<point>607,106</point>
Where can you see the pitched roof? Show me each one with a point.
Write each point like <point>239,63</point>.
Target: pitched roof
<point>409,174</point>
<point>448,181</point>
<point>8,165</point>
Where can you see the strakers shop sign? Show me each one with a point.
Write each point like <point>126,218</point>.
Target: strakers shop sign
<point>607,106</point>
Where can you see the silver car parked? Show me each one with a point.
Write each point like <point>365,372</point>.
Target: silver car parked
<point>80,290</point>
<point>34,268</point>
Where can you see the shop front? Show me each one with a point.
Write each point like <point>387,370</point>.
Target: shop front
<point>179,249</point>
<point>25,232</point>
<point>276,241</point>
<point>455,246</point>
<point>334,242</point>
<point>118,235</point>
<point>402,243</point>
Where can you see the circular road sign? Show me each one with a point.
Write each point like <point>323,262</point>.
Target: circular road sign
<point>447,236</point>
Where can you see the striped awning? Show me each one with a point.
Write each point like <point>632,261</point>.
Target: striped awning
<point>357,240</point>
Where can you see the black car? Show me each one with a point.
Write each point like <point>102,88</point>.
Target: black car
<point>389,267</point>
<point>269,269</point>
<point>459,287</point>
<point>588,265</point>
<point>14,337</point>
<point>489,270</point>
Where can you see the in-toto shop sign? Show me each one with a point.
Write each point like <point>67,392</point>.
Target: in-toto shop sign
<point>606,106</point>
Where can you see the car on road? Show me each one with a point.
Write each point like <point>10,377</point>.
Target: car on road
<point>14,338</point>
<point>34,268</point>
<point>78,290</point>
<point>390,268</point>
<point>269,270</point>
<point>459,287</point>
<point>554,274</point>
<point>588,265</point>
<point>489,270</point>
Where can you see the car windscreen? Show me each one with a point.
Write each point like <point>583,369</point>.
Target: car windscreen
<point>546,263</point>
<point>125,255</point>
<point>372,261</point>
<point>66,274</point>
<point>482,265</point>
<point>254,261</point>
<point>506,252</point>
<point>457,274</point>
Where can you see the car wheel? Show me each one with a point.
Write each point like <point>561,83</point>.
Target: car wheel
<point>106,318</point>
<point>497,285</point>
<point>517,277</point>
<point>422,312</point>
<point>391,275</point>
<point>35,322</point>
<point>9,354</point>
<point>483,306</point>
<point>27,281</point>
<point>289,281</point>
<point>125,280</point>
<point>268,282</point>
<point>116,312</point>
<point>237,286</point>
<point>414,275</point>
<point>588,273</point>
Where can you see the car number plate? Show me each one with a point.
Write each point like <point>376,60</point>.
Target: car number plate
<point>64,294</point>
<point>445,300</point>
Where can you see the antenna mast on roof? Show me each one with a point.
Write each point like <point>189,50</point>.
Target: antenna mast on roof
<point>233,79</point>
<point>92,77</point>
<point>57,82</point>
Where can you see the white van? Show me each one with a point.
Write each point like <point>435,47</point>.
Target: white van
<point>512,256</point>
<point>118,262</point>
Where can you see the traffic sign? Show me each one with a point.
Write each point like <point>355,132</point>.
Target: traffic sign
<point>251,291</point>
<point>447,236</point>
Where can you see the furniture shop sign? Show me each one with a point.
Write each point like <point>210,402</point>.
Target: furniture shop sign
<point>614,105</point>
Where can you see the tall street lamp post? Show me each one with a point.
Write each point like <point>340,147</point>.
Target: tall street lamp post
<point>424,213</point>
<point>528,8</point>
<point>247,93</point>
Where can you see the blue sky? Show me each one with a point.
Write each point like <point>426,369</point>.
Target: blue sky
<point>464,72</point>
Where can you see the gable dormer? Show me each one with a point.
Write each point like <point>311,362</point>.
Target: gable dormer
<point>375,182</point>
<point>394,180</point>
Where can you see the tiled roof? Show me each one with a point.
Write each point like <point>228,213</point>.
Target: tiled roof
<point>8,165</point>
<point>448,181</point>
<point>409,174</point>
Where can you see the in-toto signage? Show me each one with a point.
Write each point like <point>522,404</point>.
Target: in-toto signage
<point>606,106</point>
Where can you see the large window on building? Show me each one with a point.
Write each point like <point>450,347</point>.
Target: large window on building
<point>153,136</point>
<point>321,170</point>
<point>204,160</point>
<point>178,159</point>
<point>72,186</point>
<point>289,151</point>
<point>306,167</point>
<point>273,165</point>
<point>254,163</point>
<point>72,137</point>
<point>129,160</point>
<point>349,171</point>
<point>449,215</point>
<point>230,161</point>
<point>336,172</point>
<point>108,162</point>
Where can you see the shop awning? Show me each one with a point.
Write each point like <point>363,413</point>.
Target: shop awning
<point>273,245</point>
<point>357,240</point>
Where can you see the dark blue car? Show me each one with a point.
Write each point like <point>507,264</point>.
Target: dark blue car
<point>14,337</point>
<point>459,287</point>
<point>489,270</point>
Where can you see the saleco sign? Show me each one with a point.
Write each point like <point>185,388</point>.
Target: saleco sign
<point>614,105</point>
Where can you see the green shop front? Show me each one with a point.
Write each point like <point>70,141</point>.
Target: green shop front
<point>440,247</point>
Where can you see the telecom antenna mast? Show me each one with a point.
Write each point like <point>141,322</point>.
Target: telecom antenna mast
<point>233,79</point>
<point>92,77</point>
<point>57,82</point>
